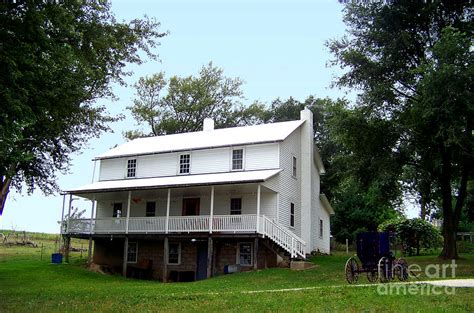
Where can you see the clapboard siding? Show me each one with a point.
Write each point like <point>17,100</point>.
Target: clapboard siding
<point>289,186</point>
<point>210,161</point>
<point>256,157</point>
<point>268,206</point>
<point>259,157</point>
<point>156,165</point>
<point>112,169</point>
<point>317,212</point>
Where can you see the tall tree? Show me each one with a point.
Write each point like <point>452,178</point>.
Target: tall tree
<point>187,101</point>
<point>412,63</point>
<point>362,186</point>
<point>56,58</point>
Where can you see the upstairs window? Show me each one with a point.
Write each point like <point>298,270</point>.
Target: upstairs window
<point>131,168</point>
<point>132,252</point>
<point>237,159</point>
<point>293,166</point>
<point>150,209</point>
<point>236,206</point>
<point>292,215</point>
<point>184,163</point>
<point>117,211</point>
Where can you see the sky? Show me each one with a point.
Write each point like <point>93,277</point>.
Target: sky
<point>276,46</point>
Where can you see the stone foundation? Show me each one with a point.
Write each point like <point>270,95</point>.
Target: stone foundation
<point>150,258</point>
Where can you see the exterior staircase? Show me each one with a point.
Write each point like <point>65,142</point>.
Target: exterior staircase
<point>284,238</point>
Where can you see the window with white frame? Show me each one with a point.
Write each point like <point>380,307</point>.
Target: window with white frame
<point>184,163</point>
<point>292,214</point>
<point>150,209</point>
<point>293,166</point>
<point>131,168</point>
<point>235,206</point>
<point>321,228</point>
<point>174,253</point>
<point>244,254</point>
<point>132,252</point>
<point>237,159</point>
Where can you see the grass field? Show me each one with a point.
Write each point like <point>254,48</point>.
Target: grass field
<point>28,283</point>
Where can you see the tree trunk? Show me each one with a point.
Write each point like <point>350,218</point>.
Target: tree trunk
<point>449,243</point>
<point>4,190</point>
<point>449,227</point>
<point>423,208</point>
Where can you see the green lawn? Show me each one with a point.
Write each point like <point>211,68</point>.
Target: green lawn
<point>27,283</point>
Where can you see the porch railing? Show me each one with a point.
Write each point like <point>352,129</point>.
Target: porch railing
<point>247,223</point>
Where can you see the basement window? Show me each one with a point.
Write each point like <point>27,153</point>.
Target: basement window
<point>244,254</point>
<point>131,168</point>
<point>132,252</point>
<point>174,253</point>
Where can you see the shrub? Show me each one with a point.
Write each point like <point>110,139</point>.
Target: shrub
<point>413,234</point>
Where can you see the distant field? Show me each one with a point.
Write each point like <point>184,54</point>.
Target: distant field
<point>28,283</point>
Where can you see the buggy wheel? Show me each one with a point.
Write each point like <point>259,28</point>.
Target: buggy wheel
<point>401,269</point>
<point>352,270</point>
<point>373,276</point>
<point>384,270</point>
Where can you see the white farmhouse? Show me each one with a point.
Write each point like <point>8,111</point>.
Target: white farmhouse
<point>190,206</point>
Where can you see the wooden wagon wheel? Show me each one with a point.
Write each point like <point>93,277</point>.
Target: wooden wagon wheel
<point>384,270</point>
<point>372,276</point>
<point>401,269</point>
<point>352,270</point>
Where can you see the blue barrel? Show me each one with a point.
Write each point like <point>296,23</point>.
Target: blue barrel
<point>56,258</point>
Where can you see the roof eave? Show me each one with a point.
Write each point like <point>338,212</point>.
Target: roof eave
<point>327,206</point>
<point>81,192</point>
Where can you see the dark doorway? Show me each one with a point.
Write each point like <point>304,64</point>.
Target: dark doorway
<point>190,206</point>
<point>201,262</point>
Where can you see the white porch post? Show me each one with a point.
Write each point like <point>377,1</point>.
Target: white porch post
<point>69,212</point>
<point>92,215</point>
<point>89,252</point>
<point>128,211</point>
<point>211,216</point>
<point>168,203</point>
<point>259,187</point>
<point>61,228</point>
<point>67,241</point>
<point>62,217</point>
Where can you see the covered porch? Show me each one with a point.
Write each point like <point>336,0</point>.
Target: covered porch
<point>239,208</point>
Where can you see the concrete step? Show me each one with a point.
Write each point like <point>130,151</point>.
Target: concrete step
<point>301,265</point>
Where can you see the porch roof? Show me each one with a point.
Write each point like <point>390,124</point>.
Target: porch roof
<point>176,181</point>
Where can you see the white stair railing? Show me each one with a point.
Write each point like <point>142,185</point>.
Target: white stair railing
<point>284,237</point>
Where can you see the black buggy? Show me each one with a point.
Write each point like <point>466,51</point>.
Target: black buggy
<point>376,259</point>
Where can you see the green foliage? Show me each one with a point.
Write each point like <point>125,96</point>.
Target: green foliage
<point>51,288</point>
<point>413,234</point>
<point>188,101</point>
<point>412,63</point>
<point>361,185</point>
<point>56,59</point>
